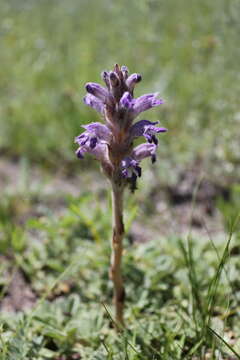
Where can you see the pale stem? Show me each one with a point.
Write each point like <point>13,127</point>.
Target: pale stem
<point>116,256</point>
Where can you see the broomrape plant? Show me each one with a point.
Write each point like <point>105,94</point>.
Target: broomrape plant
<point>112,143</point>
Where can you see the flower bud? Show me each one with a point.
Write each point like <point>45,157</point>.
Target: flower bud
<point>97,90</point>
<point>124,70</point>
<point>114,79</point>
<point>132,80</point>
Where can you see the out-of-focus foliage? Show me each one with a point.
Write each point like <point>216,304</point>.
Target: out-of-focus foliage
<point>189,52</point>
<point>175,289</point>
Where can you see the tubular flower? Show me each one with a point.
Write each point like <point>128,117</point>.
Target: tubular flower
<point>112,143</point>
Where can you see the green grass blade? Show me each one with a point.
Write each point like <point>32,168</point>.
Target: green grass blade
<point>225,343</point>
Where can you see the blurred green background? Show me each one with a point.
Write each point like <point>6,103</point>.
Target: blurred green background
<point>188,52</point>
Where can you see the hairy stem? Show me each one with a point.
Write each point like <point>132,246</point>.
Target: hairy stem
<point>116,257</point>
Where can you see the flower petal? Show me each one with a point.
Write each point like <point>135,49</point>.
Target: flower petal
<point>94,102</point>
<point>138,128</point>
<point>114,79</point>
<point>82,138</point>
<point>105,77</point>
<point>101,131</point>
<point>129,167</point>
<point>144,150</point>
<point>131,171</point>
<point>127,100</point>
<point>132,80</point>
<point>100,151</point>
<point>97,90</point>
<point>147,129</point>
<point>80,152</point>
<point>146,102</point>
<point>93,142</point>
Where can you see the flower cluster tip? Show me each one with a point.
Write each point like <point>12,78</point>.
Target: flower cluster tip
<point>112,143</point>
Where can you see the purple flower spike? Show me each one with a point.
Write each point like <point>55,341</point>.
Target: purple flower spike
<point>94,102</point>
<point>112,143</point>
<point>146,102</point>
<point>97,90</point>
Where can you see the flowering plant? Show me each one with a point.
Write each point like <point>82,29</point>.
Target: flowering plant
<point>112,143</point>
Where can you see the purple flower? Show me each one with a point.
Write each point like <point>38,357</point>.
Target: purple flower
<point>94,102</point>
<point>131,171</point>
<point>100,151</point>
<point>127,100</point>
<point>99,130</point>
<point>141,104</point>
<point>130,166</point>
<point>94,141</point>
<point>105,77</point>
<point>132,81</point>
<point>112,143</point>
<point>144,150</point>
<point>97,90</point>
<point>147,129</point>
<point>146,102</point>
